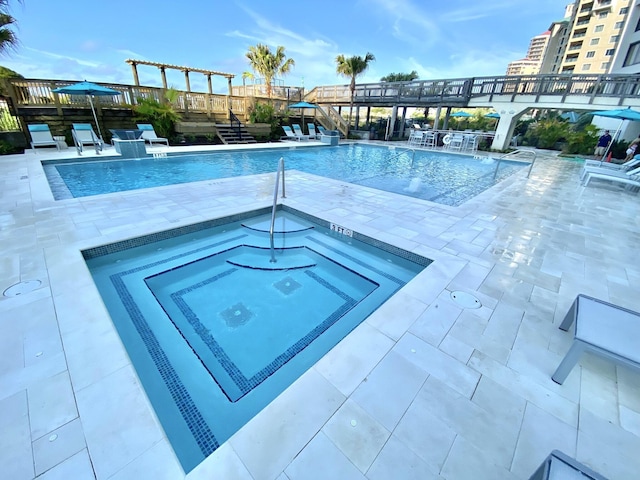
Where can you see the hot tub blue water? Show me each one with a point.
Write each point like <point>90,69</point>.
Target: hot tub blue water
<point>216,328</point>
<point>441,177</point>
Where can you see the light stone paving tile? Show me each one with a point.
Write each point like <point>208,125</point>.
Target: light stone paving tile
<point>159,462</point>
<point>224,463</point>
<point>399,379</point>
<point>547,397</point>
<point>395,316</point>
<point>629,387</point>
<point>358,435</point>
<point>58,445</point>
<point>606,448</point>
<point>468,462</point>
<point>16,460</point>
<point>20,379</point>
<point>630,420</point>
<point>397,461</point>
<point>454,374</point>
<point>347,364</point>
<point>274,437</point>
<point>118,422</point>
<point>321,460</point>
<point>470,278</point>
<point>77,467</point>
<point>456,349</point>
<point>599,393</point>
<point>504,323</point>
<point>436,321</point>
<point>51,404</point>
<point>469,329</point>
<point>540,434</point>
<point>426,435</point>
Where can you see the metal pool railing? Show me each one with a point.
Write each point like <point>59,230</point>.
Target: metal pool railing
<point>273,210</point>
<point>513,156</point>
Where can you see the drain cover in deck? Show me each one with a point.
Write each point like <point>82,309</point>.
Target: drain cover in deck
<point>22,288</point>
<point>465,300</point>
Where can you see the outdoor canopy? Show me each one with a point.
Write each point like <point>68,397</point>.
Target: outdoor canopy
<point>461,114</point>
<point>90,90</point>
<point>302,106</point>
<point>622,114</point>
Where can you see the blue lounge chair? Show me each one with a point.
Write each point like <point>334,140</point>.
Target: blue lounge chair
<point>312,131</point>
<point>83,134</point>
<point>149,134</point>
<point>41,136</point>
<point>289,135</point>
<point>298,132</point>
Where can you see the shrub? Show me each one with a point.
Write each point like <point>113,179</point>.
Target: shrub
<point>582,141</point>
<point>162,116</point>
<point>547,133</point>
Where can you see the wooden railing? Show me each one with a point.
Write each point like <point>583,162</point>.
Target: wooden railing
<point>39,93</point>
<point>460,91</point>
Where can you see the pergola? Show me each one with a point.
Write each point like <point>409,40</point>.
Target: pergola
<point>163,67</point>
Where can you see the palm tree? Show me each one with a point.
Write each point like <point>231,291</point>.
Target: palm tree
<point>351,67</point>
<point>8,39</point>
<point>269,64</point>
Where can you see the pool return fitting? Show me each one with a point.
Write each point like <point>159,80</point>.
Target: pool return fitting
<point>275,204</point>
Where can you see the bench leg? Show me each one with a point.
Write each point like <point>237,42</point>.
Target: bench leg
<point>569,361</point>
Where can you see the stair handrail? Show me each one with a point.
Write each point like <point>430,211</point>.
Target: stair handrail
<point>518,151</point>
<point>273,209</point>
<point>232,118</point>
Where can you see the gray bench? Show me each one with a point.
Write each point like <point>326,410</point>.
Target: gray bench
<point>601,328</point>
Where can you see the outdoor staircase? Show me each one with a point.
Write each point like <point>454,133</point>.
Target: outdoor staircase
<point>234,135</point>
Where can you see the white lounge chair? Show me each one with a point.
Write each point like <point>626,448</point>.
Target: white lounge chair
<point>632,177</point>
<point>83,134</point>
<point>298,132</point>
<point>312,131</point>
<point>41,136</point>
<point>149,134</point>
<point>596,166</point>
<point>289,135</point>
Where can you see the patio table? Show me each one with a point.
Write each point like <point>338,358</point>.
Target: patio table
<point>601,328</point>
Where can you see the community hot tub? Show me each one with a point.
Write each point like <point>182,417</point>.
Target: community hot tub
<point>217,323</point>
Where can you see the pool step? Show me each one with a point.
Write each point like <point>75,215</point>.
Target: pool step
<point>259,258</point>
<point>282,224</point>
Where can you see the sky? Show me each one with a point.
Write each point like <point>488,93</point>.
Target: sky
<point>85,40</point>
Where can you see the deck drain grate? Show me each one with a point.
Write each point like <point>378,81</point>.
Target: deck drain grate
<point>465,300</point>
<point>21,288</point>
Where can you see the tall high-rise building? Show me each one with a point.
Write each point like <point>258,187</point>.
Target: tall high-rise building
<point>530,65</point>
<point>627,56</point>
<point>594,33</point>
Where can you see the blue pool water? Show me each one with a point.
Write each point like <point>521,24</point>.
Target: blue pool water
<point>216,329</point>
<point>449,179</point>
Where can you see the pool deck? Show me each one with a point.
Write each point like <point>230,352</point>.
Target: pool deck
<point>423,389</point>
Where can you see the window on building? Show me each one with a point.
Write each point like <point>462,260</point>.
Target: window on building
<point>603,14</point>
<point>618,25</point>
<point>638,25</point>
<point>609,52</point>
<point>586,66</point>
<point>595,41</point>
<point>633,55</point>
<point>624,10</point>
<point>605,66</point>
<point>614,38</point>
<point>591,54</point>
<point>599,28</point>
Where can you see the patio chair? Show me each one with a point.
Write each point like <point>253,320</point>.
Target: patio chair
<point>322,130</point>
<point>149,134</point>
<point>298,132</point>
<point>312,131</point>
<point>597,166</point>
<point>41,136</point>
<point>83,134</point>
<point>289,135</point>
<point>632,177</point>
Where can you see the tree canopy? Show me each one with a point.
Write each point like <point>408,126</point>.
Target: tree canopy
<point>8,38</point>
<point>351,67</point>
<point>400,77</point>
<point>269,64</point>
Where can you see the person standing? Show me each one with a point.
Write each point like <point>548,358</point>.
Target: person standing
<point>631,149</point>
<point>603,144</point>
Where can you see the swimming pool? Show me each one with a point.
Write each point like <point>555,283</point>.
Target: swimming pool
<point>444,178</point>
<point>216,329</point>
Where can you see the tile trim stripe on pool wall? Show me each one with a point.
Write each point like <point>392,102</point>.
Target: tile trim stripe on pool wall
<point>244,384</point>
